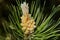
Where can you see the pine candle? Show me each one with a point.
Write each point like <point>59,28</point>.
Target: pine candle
<point>27,22</point>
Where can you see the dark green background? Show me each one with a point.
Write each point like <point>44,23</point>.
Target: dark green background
<point>4,11</point>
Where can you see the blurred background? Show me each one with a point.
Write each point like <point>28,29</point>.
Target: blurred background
<point>4,11</point>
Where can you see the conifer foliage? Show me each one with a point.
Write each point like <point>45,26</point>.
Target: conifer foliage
<point>28,21</point>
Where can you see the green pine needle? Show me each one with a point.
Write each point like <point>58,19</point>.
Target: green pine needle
<point>45,25</point>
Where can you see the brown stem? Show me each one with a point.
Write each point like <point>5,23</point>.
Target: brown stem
<point>25,37</point>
